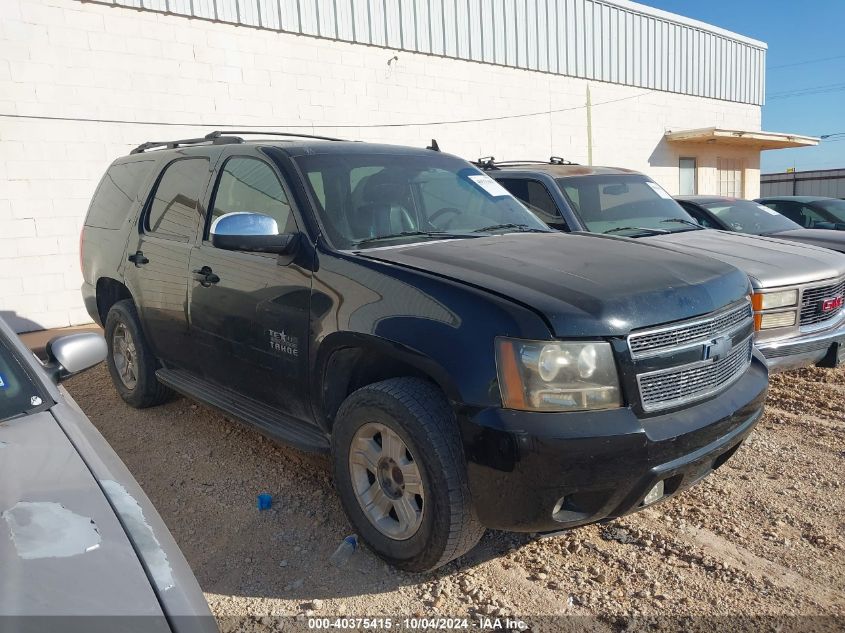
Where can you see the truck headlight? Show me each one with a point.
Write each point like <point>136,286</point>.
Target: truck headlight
<point>555,376</point>
<point>771,301</point>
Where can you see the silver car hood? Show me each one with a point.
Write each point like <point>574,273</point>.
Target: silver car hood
<point>768,261</point>
<point>62,549</point>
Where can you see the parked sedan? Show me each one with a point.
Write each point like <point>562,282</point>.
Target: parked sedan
<point>81,546</point>
<point>811,212</point>
<point>745,216</point>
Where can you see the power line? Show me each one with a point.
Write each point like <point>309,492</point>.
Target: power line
<point>310,125</point>
<point>809,61</point>
<point>801,92</point>
<point>831,135</point>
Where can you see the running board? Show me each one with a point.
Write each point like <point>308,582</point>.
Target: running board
<point>270,422</point>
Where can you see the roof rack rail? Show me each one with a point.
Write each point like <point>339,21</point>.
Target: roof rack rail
<point>489,162</point>
<point>220,137</point>
<point>219,140</point>
<point>220,133</point>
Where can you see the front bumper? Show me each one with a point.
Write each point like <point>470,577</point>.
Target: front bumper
<point>821,348</point>
<point>538,472</point>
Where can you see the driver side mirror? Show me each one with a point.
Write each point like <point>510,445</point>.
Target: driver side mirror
<point>74,353</point>
<point>251,232</point>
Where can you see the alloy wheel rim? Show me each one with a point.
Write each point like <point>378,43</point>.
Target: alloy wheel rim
<point>124,356</point>
<point>387,481</point>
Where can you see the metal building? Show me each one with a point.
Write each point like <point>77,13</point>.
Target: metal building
<point>828,183</point>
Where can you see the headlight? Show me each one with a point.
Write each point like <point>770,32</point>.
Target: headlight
<point>771,300</point>
<point>778,319</point>
<point>552,376</point>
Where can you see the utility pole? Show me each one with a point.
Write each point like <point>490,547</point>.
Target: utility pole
<point>589,128</point>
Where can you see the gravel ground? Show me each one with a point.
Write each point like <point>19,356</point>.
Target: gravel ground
<point>763,536</point>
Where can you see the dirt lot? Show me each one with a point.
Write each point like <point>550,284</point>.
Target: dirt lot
<point>762,536</point>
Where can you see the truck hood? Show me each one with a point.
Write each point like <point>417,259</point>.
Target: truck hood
<point>583,285</point>
<point>769,262</point>
<point>823,238</point>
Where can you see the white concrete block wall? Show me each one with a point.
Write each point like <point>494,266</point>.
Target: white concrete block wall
<point>64,58</point>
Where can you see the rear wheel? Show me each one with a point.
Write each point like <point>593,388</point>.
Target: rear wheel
<point>401,474</point>
<point>131,362</point>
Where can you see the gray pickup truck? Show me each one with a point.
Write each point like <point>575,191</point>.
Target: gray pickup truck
<point>798,302</point>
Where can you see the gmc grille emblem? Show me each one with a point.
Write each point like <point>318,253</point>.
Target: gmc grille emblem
<point>717,349</point>
<point>829,305</point>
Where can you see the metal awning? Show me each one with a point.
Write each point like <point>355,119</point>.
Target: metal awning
<point>741,138</point>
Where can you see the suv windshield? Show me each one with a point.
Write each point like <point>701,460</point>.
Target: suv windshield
<point>368,200</point>
<point>749,217</point>
<point>625,205</point>
<point>18,392</point>
<point>835,208</point>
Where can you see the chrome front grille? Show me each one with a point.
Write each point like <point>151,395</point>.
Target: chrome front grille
<point>667,339</point>
<point>811,302</point>
<point>679,385</point>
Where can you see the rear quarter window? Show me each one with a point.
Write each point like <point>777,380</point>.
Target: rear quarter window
<point>116,194</point>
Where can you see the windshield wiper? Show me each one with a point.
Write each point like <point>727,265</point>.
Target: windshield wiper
<point>641,229</point>
<point>441,234</point>
<point>682,221</point>
<point>521,228</point>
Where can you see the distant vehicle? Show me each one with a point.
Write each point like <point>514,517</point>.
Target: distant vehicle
<point>464,365</point>
<point>78,536</point>
<point>811,212</point>
<point>797,289</point>
<point>745,216</point>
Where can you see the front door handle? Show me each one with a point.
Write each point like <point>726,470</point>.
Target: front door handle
<point>138,259</point>
<point>205,276</point>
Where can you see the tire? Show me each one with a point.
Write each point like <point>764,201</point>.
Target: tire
<point>122,325</point>
<point>418,413</point>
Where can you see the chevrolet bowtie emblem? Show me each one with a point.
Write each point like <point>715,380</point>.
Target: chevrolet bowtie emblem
<point>717,349</point>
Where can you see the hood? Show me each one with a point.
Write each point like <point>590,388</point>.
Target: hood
<point>770,262</point>
<point>823,238</point>
<point>62,549</point>
<point>584,285</point>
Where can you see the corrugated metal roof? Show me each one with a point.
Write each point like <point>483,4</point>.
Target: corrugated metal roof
<point>605,40</point>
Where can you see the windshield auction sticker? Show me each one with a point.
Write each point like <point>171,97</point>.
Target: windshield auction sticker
<point>488,185</point>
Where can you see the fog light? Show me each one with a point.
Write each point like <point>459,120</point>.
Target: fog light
<point>654,494</point>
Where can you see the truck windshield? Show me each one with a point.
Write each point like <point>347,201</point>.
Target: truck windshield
<point>630,205</point>
<point>749,217</point>
<point>379,199</point>
<point>18,392</point>
<point>835,208</point>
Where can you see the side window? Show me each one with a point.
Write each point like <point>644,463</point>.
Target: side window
<point>809,217</point>
<point>173,209</point>
<point>250,185</point>
<point>789,209</point>
<point>699,217</point>
<point>116,194</point>
<point>534,195</point>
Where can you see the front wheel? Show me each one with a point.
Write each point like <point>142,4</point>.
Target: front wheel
<point>401,475</point>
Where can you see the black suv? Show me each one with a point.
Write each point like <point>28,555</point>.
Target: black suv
<point>466,366</point>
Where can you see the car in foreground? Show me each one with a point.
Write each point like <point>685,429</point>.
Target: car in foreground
<point>746,216</point>
<point>811,212</point>
<point>464,365</point>
<point>81,546</point>
<point>797,289</point>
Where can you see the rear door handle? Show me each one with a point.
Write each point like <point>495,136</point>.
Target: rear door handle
<point>138,259</point>
<point>205,276</point>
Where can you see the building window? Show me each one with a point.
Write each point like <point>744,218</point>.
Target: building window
<point>687,186</point>
<point>730,177</point>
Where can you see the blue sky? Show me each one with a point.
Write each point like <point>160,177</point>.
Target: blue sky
<point>795,32</point>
